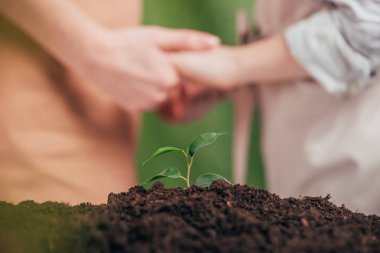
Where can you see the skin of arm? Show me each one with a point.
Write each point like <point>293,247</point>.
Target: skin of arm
<point>226,69</point>
<point>291,56</point>
<point>353,28</point>
<point>130,65</point>
<point>58,26</point>
<point>265,61</point>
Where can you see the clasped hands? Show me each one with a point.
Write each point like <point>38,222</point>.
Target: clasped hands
<point>206,77</point>
<point>145,68</point>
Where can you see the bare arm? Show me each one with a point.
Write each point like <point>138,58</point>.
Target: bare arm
<point>271,61</point>
<point>130,65</point>
<point>268,60</point>
<point>339,48</point>
<point>59,26</point>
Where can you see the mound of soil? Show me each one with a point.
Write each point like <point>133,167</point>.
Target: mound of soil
<point>225,218</point>
<point>219,218</point>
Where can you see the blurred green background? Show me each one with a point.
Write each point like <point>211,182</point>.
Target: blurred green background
<point>217,17</point>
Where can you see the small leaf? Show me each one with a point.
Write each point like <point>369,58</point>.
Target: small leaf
<point>207,179</point>
<point>202,141</point>
<point>167,173</point>
<point>162,151</point>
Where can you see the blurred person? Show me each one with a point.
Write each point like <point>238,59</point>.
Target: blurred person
<point>314,75</point>
<point>74,78</point>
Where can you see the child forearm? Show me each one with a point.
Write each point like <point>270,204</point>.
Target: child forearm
<point>268,60</point>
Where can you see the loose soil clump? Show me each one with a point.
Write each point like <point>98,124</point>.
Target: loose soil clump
<point>219,218</point>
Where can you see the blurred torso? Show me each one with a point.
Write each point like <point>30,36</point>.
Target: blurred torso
<point>61,139</point>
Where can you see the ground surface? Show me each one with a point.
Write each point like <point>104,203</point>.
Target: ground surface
<point>221,218</point>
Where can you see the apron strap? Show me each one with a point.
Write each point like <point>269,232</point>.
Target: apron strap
<point>243,101</point>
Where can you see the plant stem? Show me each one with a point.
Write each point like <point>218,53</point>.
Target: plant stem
<point>184,179</point>
<point>189,164</point>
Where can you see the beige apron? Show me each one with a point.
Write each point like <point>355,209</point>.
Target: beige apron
<point>314,143</point>
<point>61,139</point>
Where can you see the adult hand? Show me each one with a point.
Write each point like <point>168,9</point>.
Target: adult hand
<point>133,67</point>
<point>130,65</point>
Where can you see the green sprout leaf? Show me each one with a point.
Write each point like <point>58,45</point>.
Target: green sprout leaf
<point>164,150</point>
<point>201,141</point>
<point>207,179</point>
<point>167,173</point>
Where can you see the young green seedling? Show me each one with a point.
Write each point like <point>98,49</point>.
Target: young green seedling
<point>201,141</point>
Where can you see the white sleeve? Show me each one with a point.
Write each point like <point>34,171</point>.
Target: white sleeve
<point>340,48</point>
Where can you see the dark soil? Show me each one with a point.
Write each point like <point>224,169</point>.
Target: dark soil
<point>220,218</point>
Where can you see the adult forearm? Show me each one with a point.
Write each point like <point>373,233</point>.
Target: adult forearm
<point>57,25</point>
<point>268,60</point>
